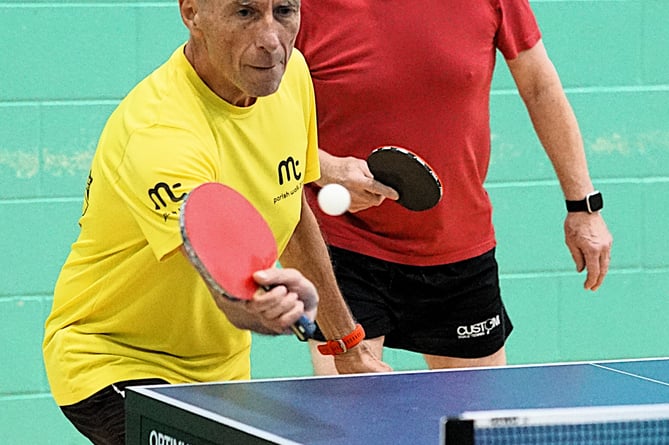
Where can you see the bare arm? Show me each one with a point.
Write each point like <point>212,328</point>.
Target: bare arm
<point>586,235</point>
<point>307,252</point>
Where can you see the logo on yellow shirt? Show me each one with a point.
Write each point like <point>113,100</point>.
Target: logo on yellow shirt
<point>161,192</point>
<point>286,167</point>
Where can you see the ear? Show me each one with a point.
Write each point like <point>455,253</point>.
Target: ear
<point>188,9</point>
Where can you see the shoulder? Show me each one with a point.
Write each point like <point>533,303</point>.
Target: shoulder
<point>297,61</point>
<point>297,74</point>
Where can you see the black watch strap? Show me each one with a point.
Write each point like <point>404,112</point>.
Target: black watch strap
<point>592,203</point>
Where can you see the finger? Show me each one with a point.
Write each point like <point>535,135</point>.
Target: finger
<point>289,280</point>
<point>278,314</point>
<point>285,312</point>
<point>275,276</point>
<point>578,257</point>
<point>266,298</point>
<point>604,262</point>
<point>294,280</point>
<point>593,268</point>
<point>379,188</point>
<point>284,316</point>
<point>364,201</point>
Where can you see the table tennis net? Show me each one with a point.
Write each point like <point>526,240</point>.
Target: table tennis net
<point>611,425</point>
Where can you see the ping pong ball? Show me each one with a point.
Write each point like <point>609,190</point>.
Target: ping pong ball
<point>334,199</point>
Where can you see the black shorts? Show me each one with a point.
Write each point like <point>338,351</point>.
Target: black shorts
<point>101,417</point>
<point>452,310</point>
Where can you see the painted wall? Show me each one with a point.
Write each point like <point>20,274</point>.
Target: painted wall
<point>66,64</point>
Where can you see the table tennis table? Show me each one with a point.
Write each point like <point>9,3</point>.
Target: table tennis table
<point>391,408</point>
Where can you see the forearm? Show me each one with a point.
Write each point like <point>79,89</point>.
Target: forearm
<point>327,171</point>
<point>306,251</point>
<point>553,120</point>
<point>558,131</point>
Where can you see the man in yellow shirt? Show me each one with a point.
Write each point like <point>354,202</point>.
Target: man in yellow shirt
<point>235,105</point>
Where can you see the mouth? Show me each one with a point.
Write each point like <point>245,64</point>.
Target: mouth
<point>264,67</point>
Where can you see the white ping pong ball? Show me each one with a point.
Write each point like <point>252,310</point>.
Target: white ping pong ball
<point>334,199</point>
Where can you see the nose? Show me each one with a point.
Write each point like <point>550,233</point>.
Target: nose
<point>269,35</point>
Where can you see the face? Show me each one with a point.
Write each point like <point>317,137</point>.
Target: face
<point>240,47</point>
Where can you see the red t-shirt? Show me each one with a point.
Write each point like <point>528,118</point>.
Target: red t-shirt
<point>415,75</point>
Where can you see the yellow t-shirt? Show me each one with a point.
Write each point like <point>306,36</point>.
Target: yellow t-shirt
<point>127,307</point>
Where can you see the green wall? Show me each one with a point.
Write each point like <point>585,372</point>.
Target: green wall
<point>66,64</point>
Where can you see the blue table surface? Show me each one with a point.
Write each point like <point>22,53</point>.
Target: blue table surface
<point>407,407</point>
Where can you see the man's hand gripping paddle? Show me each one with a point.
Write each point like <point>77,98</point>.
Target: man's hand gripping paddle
<point>417,184</point>
<point>227,240</point>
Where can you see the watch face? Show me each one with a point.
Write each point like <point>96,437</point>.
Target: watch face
<point>595,202</point>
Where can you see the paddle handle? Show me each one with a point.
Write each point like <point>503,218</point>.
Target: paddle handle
<point>303,328</point>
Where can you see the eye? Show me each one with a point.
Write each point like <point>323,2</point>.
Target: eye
<point>244,12</point>
<point>285,11</point>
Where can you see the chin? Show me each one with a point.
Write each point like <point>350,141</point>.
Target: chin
<point>266,89</point>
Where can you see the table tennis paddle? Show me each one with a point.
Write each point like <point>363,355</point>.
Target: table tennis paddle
<point>227,240</point>
<point>415,181</point>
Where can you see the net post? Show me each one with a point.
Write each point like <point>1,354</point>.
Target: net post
<point>457,431</point>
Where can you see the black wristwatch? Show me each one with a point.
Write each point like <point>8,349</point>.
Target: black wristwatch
<point>592,203</point>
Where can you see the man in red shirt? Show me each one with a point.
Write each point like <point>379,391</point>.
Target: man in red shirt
<point>388,73</point>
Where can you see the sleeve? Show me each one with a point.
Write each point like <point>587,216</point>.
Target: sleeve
<point>160,166</point>
<point>518,30</point>
<point>313,172</point>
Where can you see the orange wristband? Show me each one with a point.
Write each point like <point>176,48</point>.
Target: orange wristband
<point>336,347</point>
